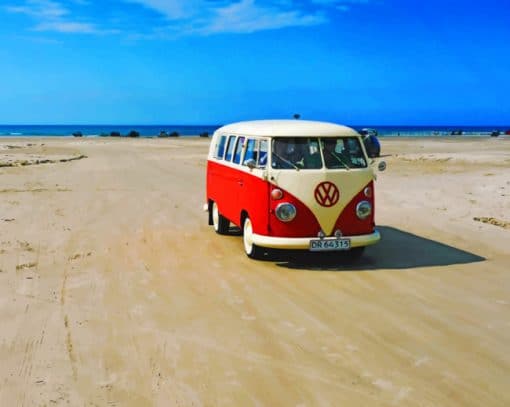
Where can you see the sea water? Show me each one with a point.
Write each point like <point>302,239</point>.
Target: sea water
<point>96,130</point>
<point>189,130</point>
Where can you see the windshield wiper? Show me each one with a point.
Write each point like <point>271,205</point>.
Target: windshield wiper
<point>341,161</point>
<point>286,161</point>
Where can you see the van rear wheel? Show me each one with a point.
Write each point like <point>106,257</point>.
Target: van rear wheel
<point>220,223</point>
<point>251,249</point>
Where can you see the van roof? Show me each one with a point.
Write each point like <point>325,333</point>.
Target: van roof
<point>287,128</point>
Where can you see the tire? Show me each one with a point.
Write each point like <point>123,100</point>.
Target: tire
<point>251,249</point>
<point>220,223</point>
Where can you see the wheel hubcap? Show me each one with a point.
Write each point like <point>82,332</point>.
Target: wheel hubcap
<point>247,236</point>
<point>215,216</point>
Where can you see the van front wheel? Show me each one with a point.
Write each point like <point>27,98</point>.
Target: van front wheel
<point>252,250</point>
<point>220,223</point>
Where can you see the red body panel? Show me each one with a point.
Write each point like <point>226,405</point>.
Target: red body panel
<point>349,223</point>
<point>305,223</point>
<point>234,191</point>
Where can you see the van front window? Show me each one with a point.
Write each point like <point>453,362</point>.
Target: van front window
<point>314,153</point>
<point>343,152</point>
<point>296,153</point>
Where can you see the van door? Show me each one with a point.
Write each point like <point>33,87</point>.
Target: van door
<point>254,196</point>
<point>237,183</point>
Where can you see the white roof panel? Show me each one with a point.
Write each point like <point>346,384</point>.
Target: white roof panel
<point>287,128</point>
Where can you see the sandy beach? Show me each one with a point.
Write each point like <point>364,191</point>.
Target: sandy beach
<point>114,291</point>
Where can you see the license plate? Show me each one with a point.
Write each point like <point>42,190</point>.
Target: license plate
<point>329,244</point>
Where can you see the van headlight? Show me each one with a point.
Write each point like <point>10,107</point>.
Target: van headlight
<point>363,210</point>
<point>285,212</point>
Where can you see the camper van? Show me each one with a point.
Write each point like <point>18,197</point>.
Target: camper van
<point>292,184</point>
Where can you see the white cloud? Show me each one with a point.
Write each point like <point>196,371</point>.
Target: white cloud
<point>72,28</point>
<point>208,17</point>
<point>247,17</point>
<point>185,17</point>
<point>54,16</point>
<point>40,9</point>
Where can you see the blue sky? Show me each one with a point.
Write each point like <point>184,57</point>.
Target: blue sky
<point>217,61</point>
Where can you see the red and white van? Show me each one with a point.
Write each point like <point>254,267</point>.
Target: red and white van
<point>292,184</point>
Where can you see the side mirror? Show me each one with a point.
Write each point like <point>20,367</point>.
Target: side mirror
<point>381,166</point>
<point>250,163</point>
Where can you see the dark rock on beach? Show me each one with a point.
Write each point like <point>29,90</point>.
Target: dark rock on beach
<point>133,133</point>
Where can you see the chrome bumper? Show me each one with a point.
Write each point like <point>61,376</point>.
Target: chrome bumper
<point>304,242</point>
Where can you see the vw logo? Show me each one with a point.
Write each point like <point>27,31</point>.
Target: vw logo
<point>327,194</point>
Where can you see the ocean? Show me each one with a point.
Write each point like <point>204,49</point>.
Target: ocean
<point>96,130</point>
<point>154,130</point>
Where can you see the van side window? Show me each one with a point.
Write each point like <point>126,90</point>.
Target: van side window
<point>220,148</point>
<point>239,150</point>
<point>251,151</point>
<point>262,162</point>
<point>230,148</point>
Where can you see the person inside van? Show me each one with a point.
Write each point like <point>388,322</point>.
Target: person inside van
<point>284,155</point>
<point>332,157</point>
<point>296,153</point>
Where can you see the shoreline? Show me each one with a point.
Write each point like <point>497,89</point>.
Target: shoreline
<point>380,137</point>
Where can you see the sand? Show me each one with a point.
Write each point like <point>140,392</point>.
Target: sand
<point>115,291</point>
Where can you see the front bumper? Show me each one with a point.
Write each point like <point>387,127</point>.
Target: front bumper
<point>303,243</point>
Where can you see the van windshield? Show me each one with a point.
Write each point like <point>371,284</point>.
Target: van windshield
<point>315,153</point>
<point>343,152</point>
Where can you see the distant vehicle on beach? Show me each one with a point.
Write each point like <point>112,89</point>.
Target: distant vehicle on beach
<point>371,142</point>
<point>292,184</point>
<point>164,134</point>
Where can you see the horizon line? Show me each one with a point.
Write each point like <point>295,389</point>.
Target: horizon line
<point>235,121</point>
